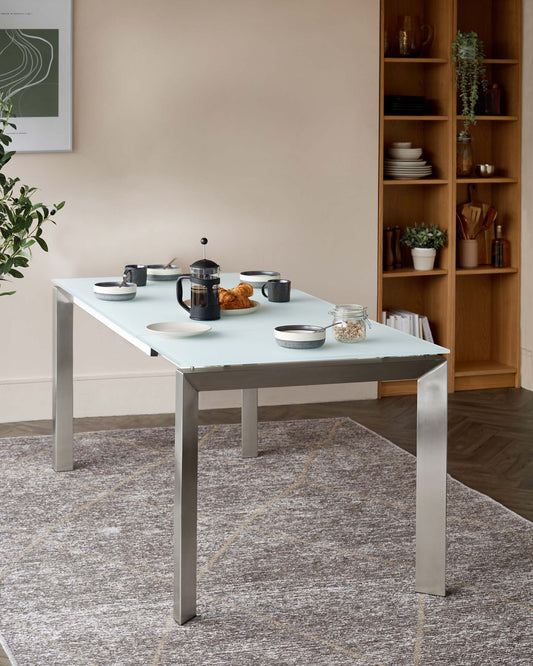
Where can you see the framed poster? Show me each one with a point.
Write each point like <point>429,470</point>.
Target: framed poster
<point>36,72</point>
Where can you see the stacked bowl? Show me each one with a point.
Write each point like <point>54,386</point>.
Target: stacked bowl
<point>405,162</point>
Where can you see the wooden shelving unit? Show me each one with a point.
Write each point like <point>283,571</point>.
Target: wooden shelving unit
<point>473,312</point>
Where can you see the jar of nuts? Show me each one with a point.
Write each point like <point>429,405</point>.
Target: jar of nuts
<point>349,323</point>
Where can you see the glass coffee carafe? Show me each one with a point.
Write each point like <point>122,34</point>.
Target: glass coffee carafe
<point>205,280</point>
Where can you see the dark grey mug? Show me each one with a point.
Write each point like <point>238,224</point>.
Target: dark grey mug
<point>277,291</point>
<point>137,274</point>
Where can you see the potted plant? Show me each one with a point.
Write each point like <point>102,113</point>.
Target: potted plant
<point>21,220</point>
<point>470,78</point>
<point>424,242</point>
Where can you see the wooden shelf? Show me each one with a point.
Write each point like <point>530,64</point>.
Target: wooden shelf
<point>479,368</point>
<point>417,61</point>
<point>507,119</point>
<point>493,179</point>
<point>486,270</point>
<point>419,181</point>
<point>477,318</point>
<point>417,118</point>
<point>410,272</point>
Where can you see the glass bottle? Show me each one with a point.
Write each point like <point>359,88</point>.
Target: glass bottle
<point>500,254</point>
<point>464,155</point>
<point>349,323</point>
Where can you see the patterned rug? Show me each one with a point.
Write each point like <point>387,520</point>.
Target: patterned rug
<point>306,556</point>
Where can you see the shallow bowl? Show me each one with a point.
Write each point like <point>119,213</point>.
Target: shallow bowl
<point>405,153</point>
<point>300,336</point>
<point>158,272</point>
<point>485,170</point>
<point>258,278</point>
<point>112,291</point>
<point>401,144</point>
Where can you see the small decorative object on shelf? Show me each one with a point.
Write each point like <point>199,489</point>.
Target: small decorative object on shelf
<point>424,241</point>
<point>389,253</point>
<point>501,254</point>
<point>464,155</point>
<point>413,38</point>
<point>397,248</point>
<point>492,101</point>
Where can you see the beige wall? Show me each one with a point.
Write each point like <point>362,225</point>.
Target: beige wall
<point>252,122</point>
<point>527,204</point>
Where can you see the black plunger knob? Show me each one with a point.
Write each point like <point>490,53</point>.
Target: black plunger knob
<point>203,241</point>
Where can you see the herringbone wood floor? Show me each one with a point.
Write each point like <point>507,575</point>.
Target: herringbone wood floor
<point>490,442</point>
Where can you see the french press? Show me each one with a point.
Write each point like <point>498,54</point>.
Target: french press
<point>205,278</point>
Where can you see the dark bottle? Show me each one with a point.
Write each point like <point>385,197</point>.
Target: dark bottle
<point>389,250</point>
<point>397,248</point>
<point>500,255</point>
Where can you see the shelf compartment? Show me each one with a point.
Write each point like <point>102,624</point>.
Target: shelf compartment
<point>410,272</point>
<point>421,181</point>
<point>498,25</point>
<point>498,144</point>
<point>487,328</point>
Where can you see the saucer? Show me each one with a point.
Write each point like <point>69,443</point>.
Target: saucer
<point>178,329</point>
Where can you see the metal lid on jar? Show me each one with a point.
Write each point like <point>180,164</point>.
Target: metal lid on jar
<point>347,309</point>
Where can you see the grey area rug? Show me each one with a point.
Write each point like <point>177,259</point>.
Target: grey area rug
<point>306,555</point>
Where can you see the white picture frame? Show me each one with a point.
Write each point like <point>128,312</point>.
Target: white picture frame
<point>36,71</point>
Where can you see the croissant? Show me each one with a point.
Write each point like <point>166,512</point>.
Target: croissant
<point>236,298</point>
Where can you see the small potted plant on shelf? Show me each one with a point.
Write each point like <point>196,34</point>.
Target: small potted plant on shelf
<point>424,241</point>
<point>21,220</point>
<point>470,78</point>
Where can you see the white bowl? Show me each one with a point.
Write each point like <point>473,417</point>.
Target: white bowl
<point>112,291</point>
<point>300,336</point>
<point>405,153</point>
<point>158,272</point>
<point>401,144</point>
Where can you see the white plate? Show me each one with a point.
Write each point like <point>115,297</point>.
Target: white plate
<point>229,313</point>
<point>178,329</point>
<point>243,311</point>
<point>391,162</point>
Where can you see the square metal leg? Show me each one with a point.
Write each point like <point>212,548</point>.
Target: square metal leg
<point>62,397</point>
<point>185,500</point>
<point>432,436</point>
<point>249,423</point>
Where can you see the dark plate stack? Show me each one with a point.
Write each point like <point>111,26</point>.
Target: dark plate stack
<point>406,105</point>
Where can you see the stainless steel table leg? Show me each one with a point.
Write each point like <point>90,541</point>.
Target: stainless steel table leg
<point>62,397</point>
<point>432,424</point>
<point>185,500</point>
<point>249,423</point>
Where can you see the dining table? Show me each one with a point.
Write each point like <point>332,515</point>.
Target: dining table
<point>241,352</point>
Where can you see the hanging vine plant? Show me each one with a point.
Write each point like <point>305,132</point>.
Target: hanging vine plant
<point>470,75</point>
<point>21,220</point>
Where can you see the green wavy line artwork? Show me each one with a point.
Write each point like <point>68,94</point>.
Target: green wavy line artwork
<point>29,71</point>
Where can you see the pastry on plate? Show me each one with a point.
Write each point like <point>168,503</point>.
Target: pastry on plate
<point>237,298</point>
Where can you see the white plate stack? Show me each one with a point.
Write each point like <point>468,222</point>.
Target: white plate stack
<point>405,162</point>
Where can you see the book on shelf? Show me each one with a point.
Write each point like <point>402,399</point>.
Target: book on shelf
<point>408,322</point>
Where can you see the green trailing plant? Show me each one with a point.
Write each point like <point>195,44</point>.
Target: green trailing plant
<point>470,75</point>
<point>424,236</point>
<point>21,220</point>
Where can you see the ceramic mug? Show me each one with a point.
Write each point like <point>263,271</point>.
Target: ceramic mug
<point>277,291</point>
<point>137,274</point>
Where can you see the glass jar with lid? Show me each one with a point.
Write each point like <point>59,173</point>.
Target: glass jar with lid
<point>349,322</point>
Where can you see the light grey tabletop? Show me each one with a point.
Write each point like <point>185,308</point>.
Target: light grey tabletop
<point>235,340</point>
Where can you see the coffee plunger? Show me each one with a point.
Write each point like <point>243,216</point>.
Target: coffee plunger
<point>205,280</point>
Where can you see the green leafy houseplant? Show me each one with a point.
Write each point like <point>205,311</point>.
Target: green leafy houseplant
<point>21,220</point>
<point>431,237</point>
<point>470,76</point>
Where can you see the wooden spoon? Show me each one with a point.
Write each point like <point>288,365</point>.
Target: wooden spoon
<point>169,263</point>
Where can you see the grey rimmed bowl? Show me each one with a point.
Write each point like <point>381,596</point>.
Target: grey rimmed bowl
<point>300,336</point>
<point>158,272</point>
<point>258,278</point>
<point>112,291</point>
